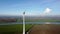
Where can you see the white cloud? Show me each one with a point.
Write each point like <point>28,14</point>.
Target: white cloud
<point>47,11</point>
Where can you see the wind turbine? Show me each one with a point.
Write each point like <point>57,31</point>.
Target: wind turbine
<point>24,22</point>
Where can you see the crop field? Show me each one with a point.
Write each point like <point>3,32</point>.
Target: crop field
<point>43,20</point>
<point>14,28</point>
<point>11,29</point>
<point>28,27</point>
<point>45,29</point>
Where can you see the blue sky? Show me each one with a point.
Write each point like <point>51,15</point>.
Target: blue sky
<point>31,7</point>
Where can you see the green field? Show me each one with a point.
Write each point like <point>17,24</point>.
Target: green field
<point>39,20</point>
<point>11,29</point>
<point>14,28</point>
<point>28,27</point>
<point>43,20</point>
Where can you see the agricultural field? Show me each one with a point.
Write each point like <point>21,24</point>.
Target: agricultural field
<point>42,20</point>
<point>11,29</point>
<point>18,28</point>
<point>28,27</point>
<point>45,29</point>
<point>14,28</point>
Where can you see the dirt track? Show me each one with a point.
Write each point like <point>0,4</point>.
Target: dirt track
<point>45,29</point>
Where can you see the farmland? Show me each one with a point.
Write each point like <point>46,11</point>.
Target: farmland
<point>11,29</point>
<point>17,28</point>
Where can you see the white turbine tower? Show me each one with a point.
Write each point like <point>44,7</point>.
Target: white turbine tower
<point>23,22</point>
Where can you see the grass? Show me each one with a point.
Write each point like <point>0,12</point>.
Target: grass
<point>11,29</point>
<point>28,26</point>
<point>14,28</point>
<point>43,20</point>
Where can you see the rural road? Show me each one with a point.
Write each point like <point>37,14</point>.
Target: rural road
<point>45,29</point>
